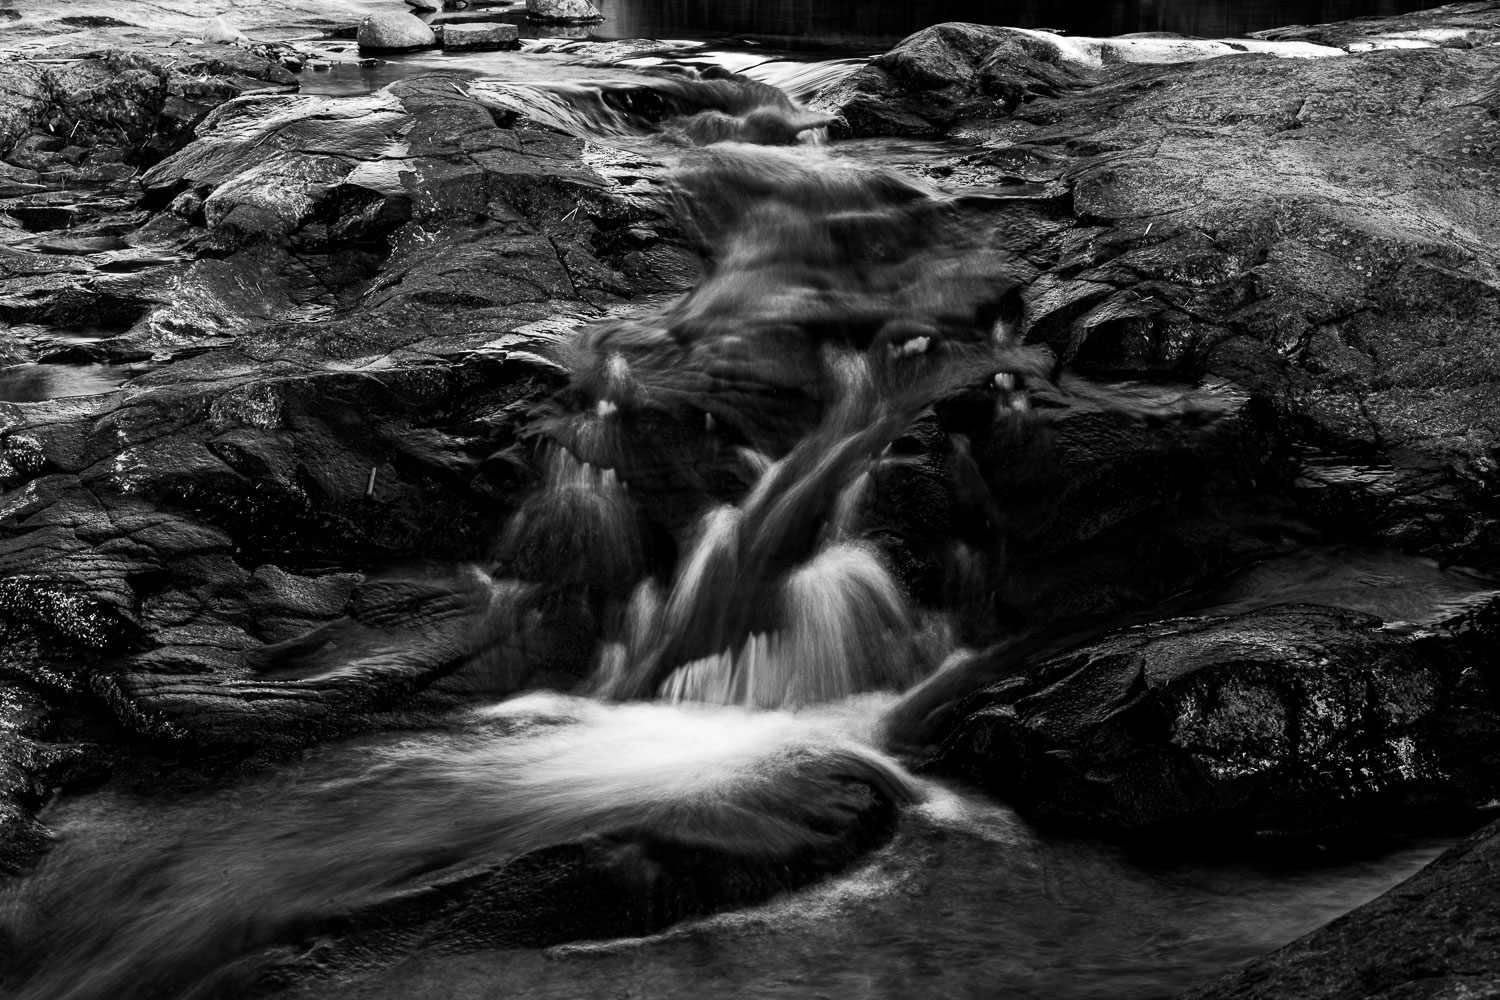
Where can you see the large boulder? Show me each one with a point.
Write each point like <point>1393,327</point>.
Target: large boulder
<point>565,11</point>
<point>394,32</point>
<point>310,197</point>
<point>461,37</point>
<point>1290,721</point>
<point>943,74</point>
<point>116,104</point>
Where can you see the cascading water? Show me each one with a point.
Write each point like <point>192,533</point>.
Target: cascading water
<point>703,529</point>
<point>755,408</point>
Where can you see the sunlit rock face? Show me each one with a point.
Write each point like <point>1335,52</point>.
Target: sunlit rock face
<point>564,11</point>
<point>394,32</point>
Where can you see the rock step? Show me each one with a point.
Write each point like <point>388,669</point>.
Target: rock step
<point>1292,721</point>
<point>474,37</point>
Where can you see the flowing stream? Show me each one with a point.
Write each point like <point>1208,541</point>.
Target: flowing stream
<point>705,513</point>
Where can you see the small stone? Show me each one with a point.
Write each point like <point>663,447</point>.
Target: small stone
<point>394,31</point>
<point>569,11</point>
<point>470,37</point>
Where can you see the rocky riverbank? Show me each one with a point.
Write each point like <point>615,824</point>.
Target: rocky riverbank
<point>327,326</point>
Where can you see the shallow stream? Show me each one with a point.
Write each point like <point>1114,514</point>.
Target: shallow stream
<point>778,637</point>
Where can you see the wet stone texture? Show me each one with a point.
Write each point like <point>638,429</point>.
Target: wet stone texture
<point>323,305</point>
<point>343,314</point>
<point>1293,721</point>
<point>1320,231</point>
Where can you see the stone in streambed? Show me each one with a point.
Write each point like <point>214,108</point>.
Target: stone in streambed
<point>474,37</point>
<point>394,32</point>
<point>1290,721</point>
<point>566,11</point>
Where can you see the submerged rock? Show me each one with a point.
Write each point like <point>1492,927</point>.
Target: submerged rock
<point>1291,721</point>
<point>394,32</point>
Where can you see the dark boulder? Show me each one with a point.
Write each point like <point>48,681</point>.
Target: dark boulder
<point>152,538</point>
<point>1290,721</point>
<point>394,31</point>
<point>945,74</point>
<point>1091,501</point>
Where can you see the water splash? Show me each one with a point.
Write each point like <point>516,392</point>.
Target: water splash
<point>167,895</point>
<point>688,107</point>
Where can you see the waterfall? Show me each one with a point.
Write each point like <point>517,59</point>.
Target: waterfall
<point>697,531</point>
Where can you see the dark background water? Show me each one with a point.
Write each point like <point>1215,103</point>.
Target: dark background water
<point>879,23</point>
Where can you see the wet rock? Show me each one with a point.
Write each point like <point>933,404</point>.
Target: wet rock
<point>565,11</point>
<point>944,74</point>
<point>139,101</point>
<point>1432,936</point>
<point>479,36</point>
<point>339,218</point>
<point>1291,721</point>
<point>1078,506</point>
<point>152,539</point>
<point>31,766</point>
<point>1453,25</point>
<point>393,32</point>
<point>1287,259</point>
